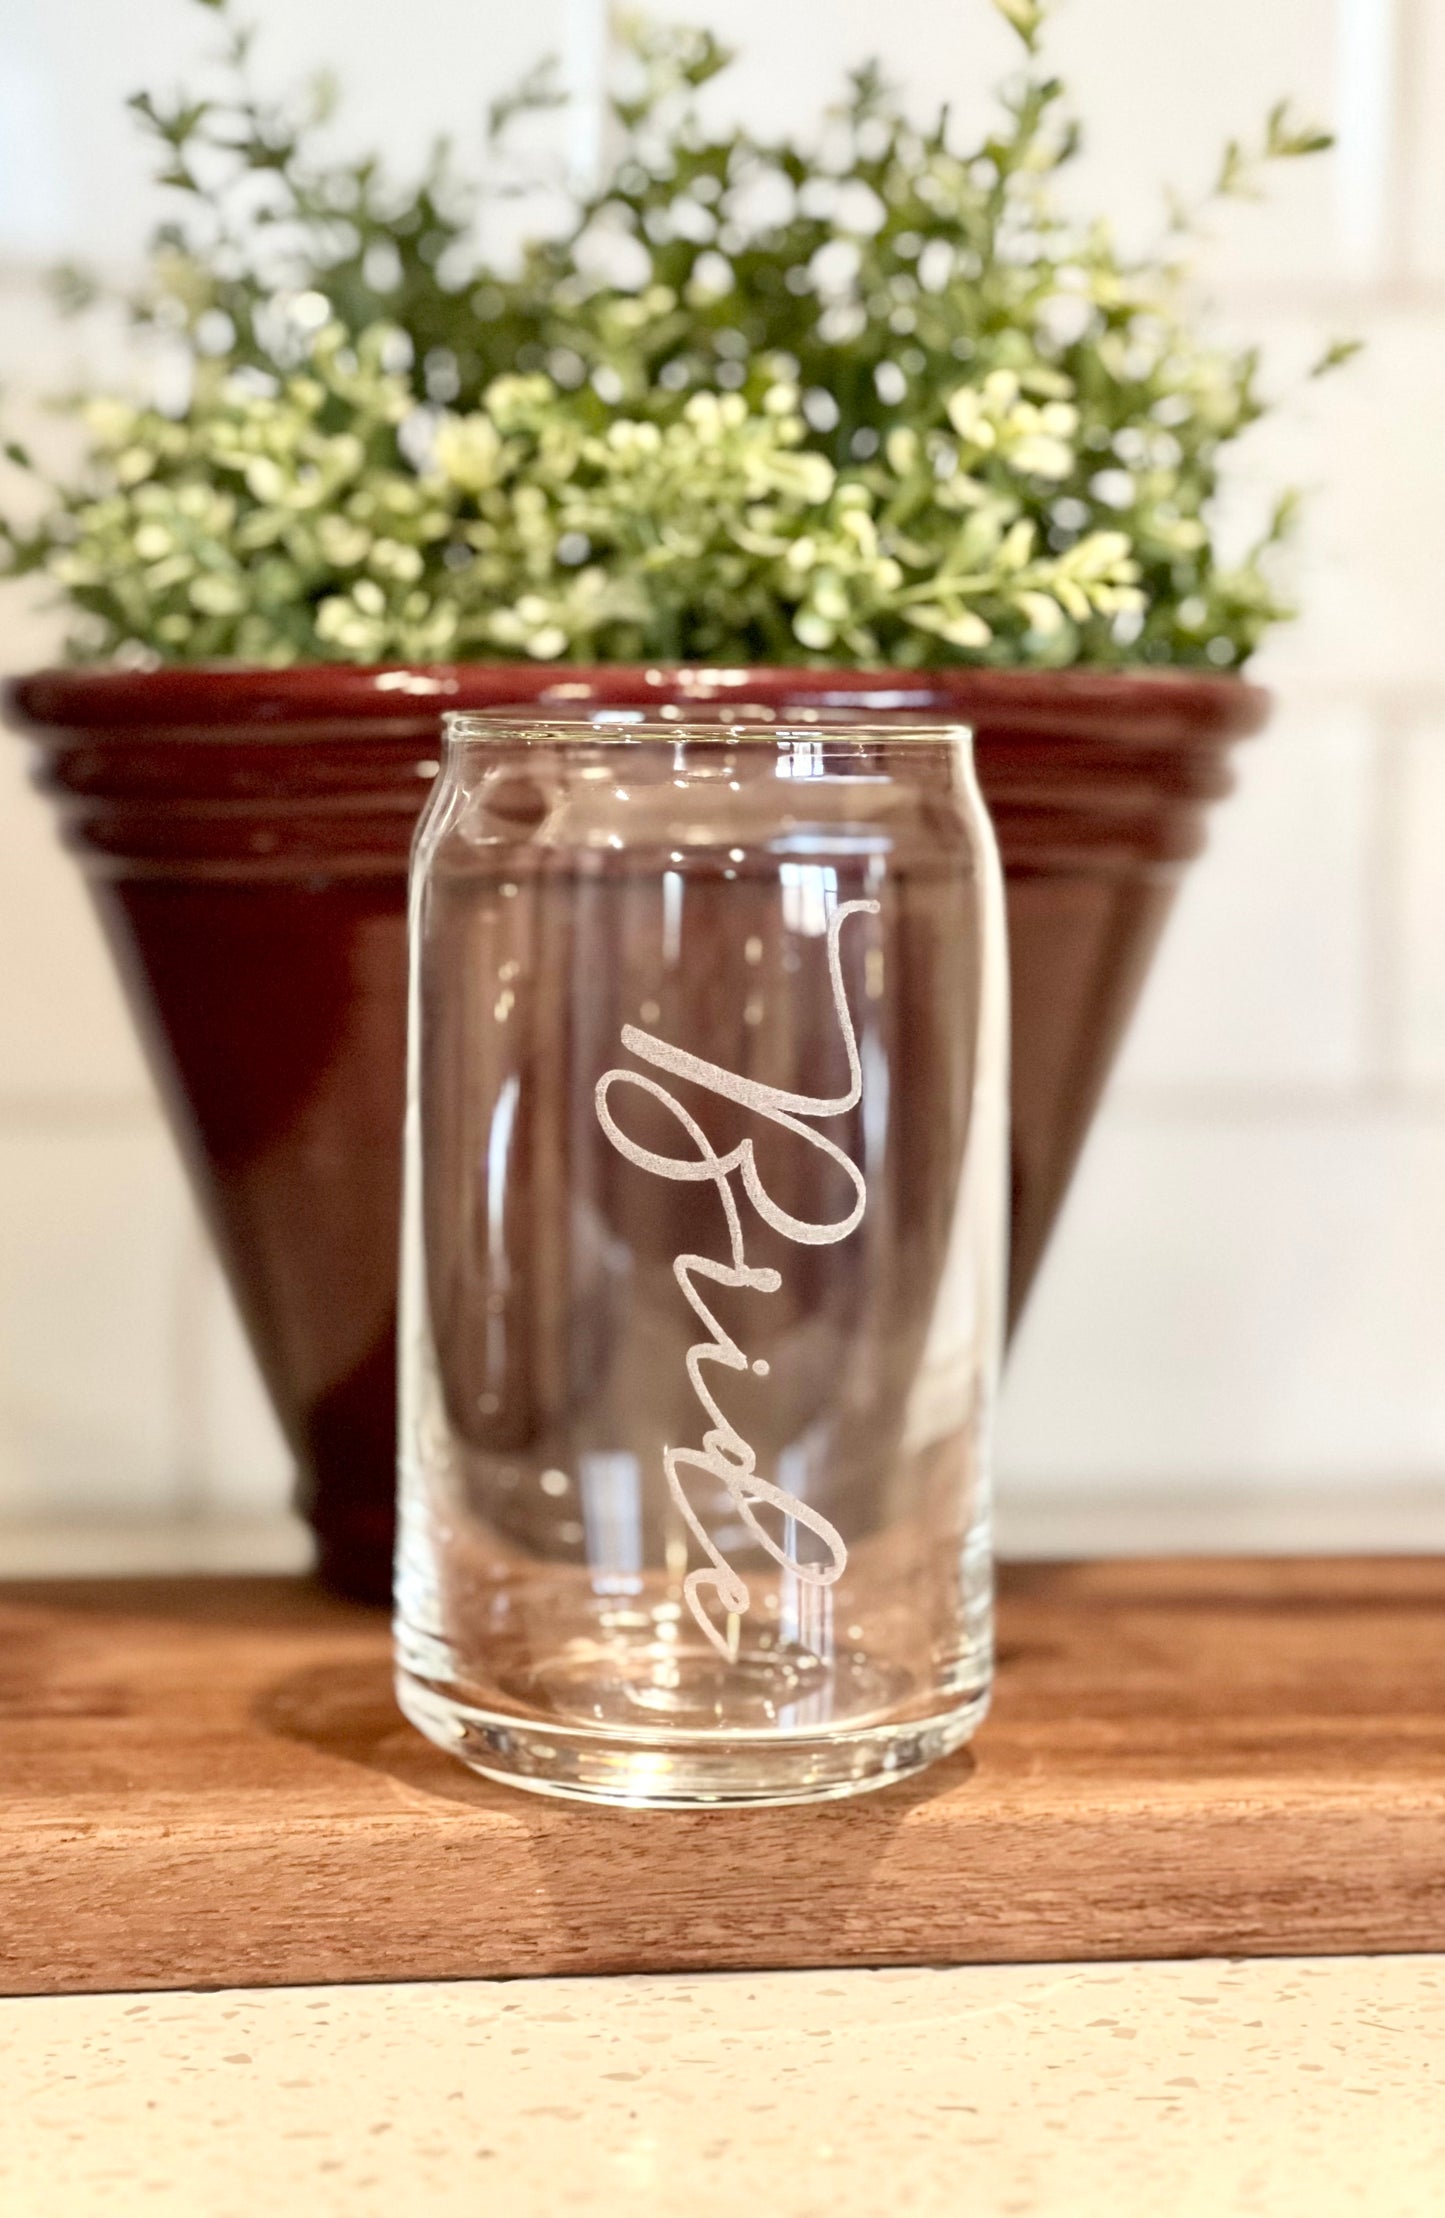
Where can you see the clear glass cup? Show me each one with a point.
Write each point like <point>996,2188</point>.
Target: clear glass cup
<point>703,1256</point>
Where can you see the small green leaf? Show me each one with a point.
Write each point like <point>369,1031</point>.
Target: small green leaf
<point>1027,18</point>
<point>72,288</point>
<point>540,89</point>
<point>1285,140</point>
<point>1235,178</point>
<point>1335,355</point>
<point>1284,517</point>
<point>325,95</point>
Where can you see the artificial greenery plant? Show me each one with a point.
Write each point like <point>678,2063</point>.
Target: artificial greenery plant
<point>874,398</point>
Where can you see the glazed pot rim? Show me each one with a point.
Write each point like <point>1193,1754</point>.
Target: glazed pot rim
<point>215,701</point>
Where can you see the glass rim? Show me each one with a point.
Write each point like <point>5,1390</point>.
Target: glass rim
<point>659,722</point>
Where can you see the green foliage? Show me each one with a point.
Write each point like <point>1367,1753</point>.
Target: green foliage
<point>878,400</point>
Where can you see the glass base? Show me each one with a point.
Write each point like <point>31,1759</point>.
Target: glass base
<point>681,1770</point>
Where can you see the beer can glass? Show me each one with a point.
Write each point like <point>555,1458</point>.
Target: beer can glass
<point>703,1254</point>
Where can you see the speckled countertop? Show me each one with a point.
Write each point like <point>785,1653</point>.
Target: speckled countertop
<point>1195,2090</point>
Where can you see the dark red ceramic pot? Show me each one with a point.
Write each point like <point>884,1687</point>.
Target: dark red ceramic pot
<point>245,836</point>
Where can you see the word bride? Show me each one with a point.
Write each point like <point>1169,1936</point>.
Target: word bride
<point>724,1453</point>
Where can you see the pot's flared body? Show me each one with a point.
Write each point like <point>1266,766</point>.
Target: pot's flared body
<point>246,833</point>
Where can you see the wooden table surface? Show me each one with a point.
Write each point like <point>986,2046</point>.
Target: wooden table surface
<point>205,1782</point>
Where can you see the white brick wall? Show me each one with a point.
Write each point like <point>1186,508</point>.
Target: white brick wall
<point>1246,1301</point>
<point>1417,905</point>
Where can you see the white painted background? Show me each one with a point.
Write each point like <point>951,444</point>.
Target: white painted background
<point>1240,1330</point>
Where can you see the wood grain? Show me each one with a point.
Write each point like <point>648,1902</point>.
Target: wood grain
<point>206,1783</point>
